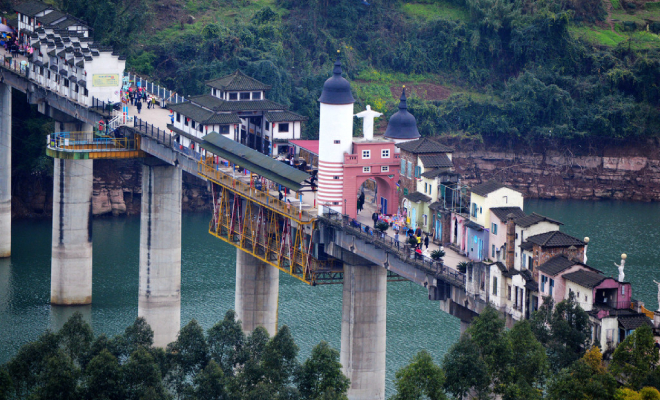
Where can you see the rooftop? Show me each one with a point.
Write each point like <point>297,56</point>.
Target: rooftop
<point>283,116</point>
<point>555,239</point>
<point>436,161</point>
<point>503,212</point>
<point>584,278</point>
<point>486,188</point>
<point>526,221</point>
<point>311,146</point>
<point>632,322</point>
<point>237,81</point>
<point>424,146</point>
<point>416,197</point>
<point>32,8</point>
<point>201,115</point>
<point>560,263</point>
<point>216,104</point>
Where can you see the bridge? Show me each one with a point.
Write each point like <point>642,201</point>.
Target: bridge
<point>313,243</point>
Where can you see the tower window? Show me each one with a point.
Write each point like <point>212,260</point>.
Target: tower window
<point>366,169</point>
<point>335,177</point>
<point>366,154</point>
<point>385,168</point>
<point>337,141</point>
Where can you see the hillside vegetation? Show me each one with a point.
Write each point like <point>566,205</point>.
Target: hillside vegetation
<point>537,70</point>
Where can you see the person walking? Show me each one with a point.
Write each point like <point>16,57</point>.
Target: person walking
<point>153,101</point>
<point>139,106</point>
<point>149,102</point>
<point>374,217</point>
<point>426,242</point>
<point>419,242</point>
<point>396,239</point>
<point>144,95</point>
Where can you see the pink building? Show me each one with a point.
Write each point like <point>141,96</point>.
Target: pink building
<point>371,159</point>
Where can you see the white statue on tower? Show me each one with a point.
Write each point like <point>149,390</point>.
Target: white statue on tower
<point>658,283</point>
<point>368,117</point>
<point>621,267</point>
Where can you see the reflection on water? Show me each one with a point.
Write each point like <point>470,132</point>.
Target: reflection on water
<point>312,313</point>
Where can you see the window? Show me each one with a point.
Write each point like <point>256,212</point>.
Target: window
<point>403,167</point>
<point>245,95</point>
<point>385,168</point>
<point>530,264</point>
<point>256,95</point>
<point>544,280</point>
<point>418,171</point>
<point>623,290</point>
<point>552,286</point>
<point>494,286</point>
<point>426,187</point>
<point>186,122</point>
<point>224,129</point>
<point>509,293</point>
<point>492,251</point>
<point>337,141</point>
<point>192,124</point>
<point>366,169</point>
<point>283,127</point>
<point>66,82</point>
<point>233,96</point>
<point>366,154</point>
<point>385,153</point>
<point>200,127</point>
<point>426,219</point>
<point>335,177</point>
<point>481,210</point>
<point>213,92</point>
<point>493,228</point>
<point>405,191</point>
<point>506,199</point>
<point>409,169</point>
<point>474,209</point>
<point>524,259</point>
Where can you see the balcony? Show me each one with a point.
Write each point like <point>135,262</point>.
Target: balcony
<point>92,145</point>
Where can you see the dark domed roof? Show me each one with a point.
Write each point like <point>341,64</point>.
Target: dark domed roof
<point>402,124</point>
<point>336,90</point>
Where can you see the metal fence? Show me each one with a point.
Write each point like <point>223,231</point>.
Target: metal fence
<point>404,250</point>
<point>149,130</point>
<point>155,89</point>
<point>90,141</point>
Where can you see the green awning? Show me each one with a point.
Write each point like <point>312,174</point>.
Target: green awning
<point>254,161</point>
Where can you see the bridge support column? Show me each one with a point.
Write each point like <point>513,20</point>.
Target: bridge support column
<point>257,293</point>
<point>5,170</point>
<point>159,299</point>
<point>363,330</point>
<point>71,261</point>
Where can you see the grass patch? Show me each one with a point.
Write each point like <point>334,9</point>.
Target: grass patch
<point>373,75</point>
<point>598,36</point>
<point>435,10</point>
<point>616,5</point>
<point>377,95</point>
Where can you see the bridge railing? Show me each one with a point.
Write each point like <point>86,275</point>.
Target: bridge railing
<point>150,130</point>
<point>155,89</point>
<point>105,106</point>
<point>90,141</point>
<point>401,248</point>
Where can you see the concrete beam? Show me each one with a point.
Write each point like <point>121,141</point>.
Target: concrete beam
<point>71,264</point>
<point>257,293</point>
<point>5,170</point>
<point>159,299</point>
<point>363,330</point>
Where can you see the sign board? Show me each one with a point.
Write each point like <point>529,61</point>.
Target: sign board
<point>105,80</point>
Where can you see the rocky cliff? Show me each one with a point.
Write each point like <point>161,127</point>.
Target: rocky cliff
<point>117,191</point>
<point>622,171</point>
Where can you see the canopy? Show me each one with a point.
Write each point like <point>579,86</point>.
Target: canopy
<point>5,28</point>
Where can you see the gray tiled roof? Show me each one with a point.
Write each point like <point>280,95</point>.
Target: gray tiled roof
<point>560,263</point>
<point>51,17</point>
<point>503,212</point>
<point>584,278</point>
<point>436,161</point>
<point>632,322</point>
<point>416,197</point>
<point>528,220</point>
<point>223,119</point>
<point>31,8</point>
<point>486,188</point>
<point>555,239</point>
<point>283,116</point>
<point>474,225</point>
<point>446,174</point>
<point>237,81</point>
<point>202,115</point>
<point>424,146</point>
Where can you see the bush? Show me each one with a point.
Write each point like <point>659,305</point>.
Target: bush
<point>462,266</point>
<point>412,241</point>
<point>382,226</point>
<point>437,254</point>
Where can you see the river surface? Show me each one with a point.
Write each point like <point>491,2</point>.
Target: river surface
<point>312,313</point>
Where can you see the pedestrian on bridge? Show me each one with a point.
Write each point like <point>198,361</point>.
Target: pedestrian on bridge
<point>426,241</point>
<point>138,105</point>
<point>144,95</point>
<point>149,102</point>
<point>396,239</point>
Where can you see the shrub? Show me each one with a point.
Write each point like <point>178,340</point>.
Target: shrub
<point>437,254</point>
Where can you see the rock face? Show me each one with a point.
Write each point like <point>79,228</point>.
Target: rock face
<point>615,172</point>
<point>117,190</point>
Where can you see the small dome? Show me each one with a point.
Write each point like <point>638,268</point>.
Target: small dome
<point>336,90</point>
<point>402,124</point>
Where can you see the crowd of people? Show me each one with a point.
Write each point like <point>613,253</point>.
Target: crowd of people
<point>137,96</point>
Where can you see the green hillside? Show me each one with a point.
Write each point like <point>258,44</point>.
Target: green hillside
<point>537,70</point>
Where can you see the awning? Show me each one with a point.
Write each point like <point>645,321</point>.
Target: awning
<point>254,161</point>
<point>312,146</point>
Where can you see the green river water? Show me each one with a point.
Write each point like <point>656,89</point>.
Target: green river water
<point>312,313</point>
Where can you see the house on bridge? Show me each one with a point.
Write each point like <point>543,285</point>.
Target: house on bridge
<point>542,247</point>
<point>33,15</point>
<point>238,109</point>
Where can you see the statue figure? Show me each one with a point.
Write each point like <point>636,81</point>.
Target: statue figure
<point>621,267</point>
<point>368,116</point>
<point>658,283</point>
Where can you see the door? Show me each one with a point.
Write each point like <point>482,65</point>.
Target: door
<point>438,228</point>
<point>480,245</point>
<point>413,217</point>
<point>383,205</point>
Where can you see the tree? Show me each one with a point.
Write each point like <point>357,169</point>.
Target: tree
<point>585,379</point>
<point>226,340</point>
<point>529,364</point>
<point>210,383</point>
<point>320,376</point>
<point>464,369</point>
<point>103,378</point>
<point>188,355</point>
<point>635,358</point>
<point>6,385</point>
<point>142,377</point>
<point>421,379</point>
<point>76,336</point>
<point>59,379</point>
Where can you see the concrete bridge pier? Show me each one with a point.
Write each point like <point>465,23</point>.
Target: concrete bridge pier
<point>257,293</point>
<point>159,299</point>
<point>71,264</point>
<point>5,170</point>
<point>363,330</point>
